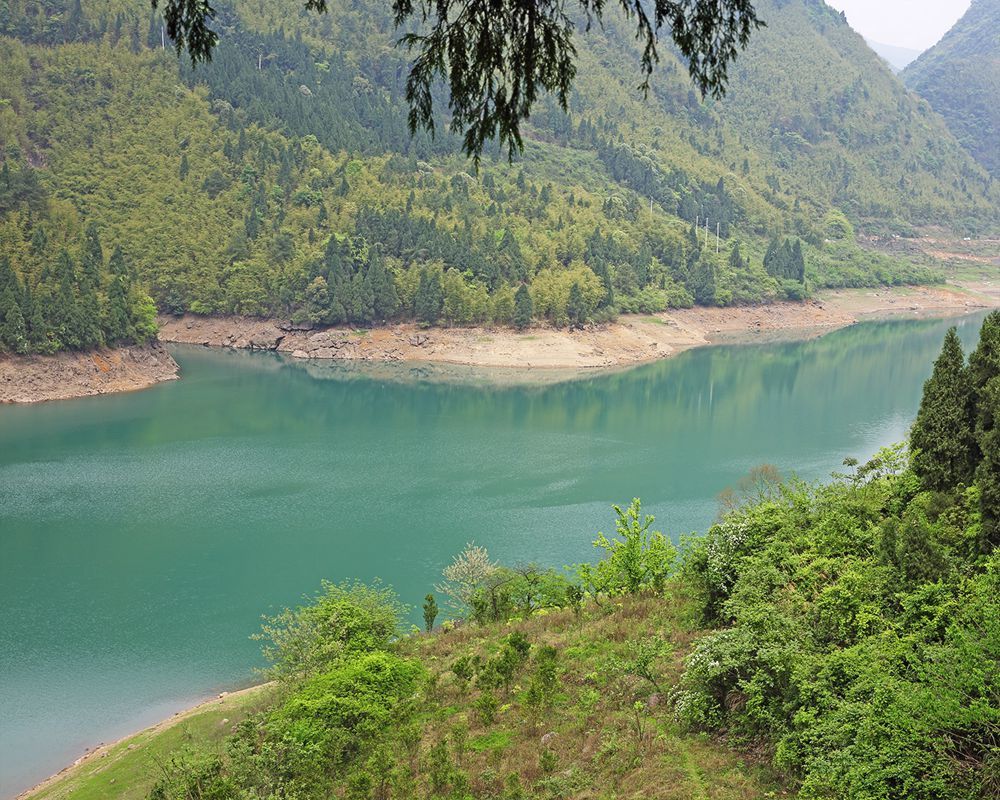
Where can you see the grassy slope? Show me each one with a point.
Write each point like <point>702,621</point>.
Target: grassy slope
<point>596,743</point>
<point>127,769</point>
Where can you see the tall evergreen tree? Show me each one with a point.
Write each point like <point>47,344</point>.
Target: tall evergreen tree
<point>385,298</point>
<point>942,436</point>
<point>984,374</point>
<point>65,309</point>
<point>38,328</point>
<point>988,469</point>
<point>91,259</point>
<point>523,307</point>
<point>13,333</point>
<point>429,301</point>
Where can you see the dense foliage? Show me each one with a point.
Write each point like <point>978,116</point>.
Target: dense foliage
<point>860,622</point>
<point>844,637</point>
<point>64,294</point>
<point>280,179</point>
<point>960,78</point>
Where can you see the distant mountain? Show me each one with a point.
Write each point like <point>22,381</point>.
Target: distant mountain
<point>897,57</point>
<point>960,78</point>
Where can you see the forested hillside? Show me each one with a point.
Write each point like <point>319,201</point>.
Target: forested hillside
<point>960,78</point>
<point>280,180</point>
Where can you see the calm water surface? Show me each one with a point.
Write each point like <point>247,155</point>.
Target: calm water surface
<point>142,535</point>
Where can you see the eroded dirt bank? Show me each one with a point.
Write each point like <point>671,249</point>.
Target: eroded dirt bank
<point>630,340</point>
<point>32,379</point>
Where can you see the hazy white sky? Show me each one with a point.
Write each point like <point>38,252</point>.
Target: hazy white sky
<point>906,23</point>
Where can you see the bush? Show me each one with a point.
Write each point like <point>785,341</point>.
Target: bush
<point>343,619</point>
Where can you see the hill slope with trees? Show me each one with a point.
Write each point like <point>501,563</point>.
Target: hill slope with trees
<point>960,78</point>
<point>820,641</point>
<point>280,179</point>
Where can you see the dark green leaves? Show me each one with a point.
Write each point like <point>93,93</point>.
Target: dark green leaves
<point>497,56</point>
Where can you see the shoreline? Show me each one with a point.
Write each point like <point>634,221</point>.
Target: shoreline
<point>63,376</point>
<point>631,340</point>
<point>103,750</point>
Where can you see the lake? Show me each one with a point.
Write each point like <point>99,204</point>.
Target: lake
<point>142,535</point>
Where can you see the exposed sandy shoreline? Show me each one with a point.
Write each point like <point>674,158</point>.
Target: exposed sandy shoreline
<point>33,379</point>
<point>632,339</point>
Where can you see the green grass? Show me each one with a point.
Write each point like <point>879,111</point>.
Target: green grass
<point>592,747</point>
<point>128,769</point>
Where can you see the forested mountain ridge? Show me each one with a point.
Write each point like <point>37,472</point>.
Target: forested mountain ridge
<point>280,178</point>
<point>960,78</point>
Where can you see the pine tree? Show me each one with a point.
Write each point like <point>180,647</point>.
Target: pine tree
<point>703,282</point>
<point>988,469</point>
<point>429,301</point>
<point>65,315</point>
<point>8,278</point>
<point>984,379</point>
<point>13,333</point>
<point>942,436</point>
<point>182,171</point>
<point>383,284</point>
<point>984,362</point>
<point>117,324</point>
<point>92,259</point>
<point>736,258</point>
<point>523,308</point>
<point>39,340</point>
<point>798,263</point>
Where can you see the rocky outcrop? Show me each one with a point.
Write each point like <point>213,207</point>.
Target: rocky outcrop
<point>32,379</point>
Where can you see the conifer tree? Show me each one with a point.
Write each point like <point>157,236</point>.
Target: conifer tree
<point>38,328</point>
<point>64,312</point>
<point>988,469</point>
<point>942,436</point>
<point>13,333</point>
<point>984,374</point>
<point>91,259</point>
<point>118,325</point>
<point>523,308</point>
<point>798,263</point>
<point>736,258</point>
<point>385,298</point>
<point>429,300</point>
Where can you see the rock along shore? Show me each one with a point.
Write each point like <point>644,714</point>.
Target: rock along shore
<point>33,379</point>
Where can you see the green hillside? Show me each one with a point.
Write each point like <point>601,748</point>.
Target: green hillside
<point>960,78</point>
<point>820,641</point>
<point>280,179</point>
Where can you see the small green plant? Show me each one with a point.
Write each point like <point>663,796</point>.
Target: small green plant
<point>639,560</point>
<point>430,612</point>
<point>487,707</point>
<point>464,669</point>
<point>439,769</point>
<point>548,761</point>
<point>574,598</point>
<point>643,654</point>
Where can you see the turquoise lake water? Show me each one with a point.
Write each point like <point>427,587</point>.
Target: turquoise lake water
<point>143,535</point>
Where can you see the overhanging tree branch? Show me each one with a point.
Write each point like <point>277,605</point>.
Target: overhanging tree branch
<point>496,56</point>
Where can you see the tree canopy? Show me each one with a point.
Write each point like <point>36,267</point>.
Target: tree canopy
<point>496,56</point>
